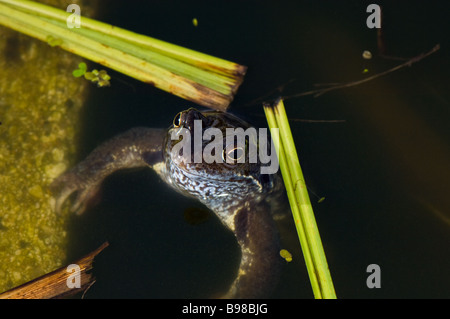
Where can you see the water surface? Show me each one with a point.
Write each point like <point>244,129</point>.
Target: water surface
<point>385,170</point>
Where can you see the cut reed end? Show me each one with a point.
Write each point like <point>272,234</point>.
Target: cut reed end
<point>203,79</point>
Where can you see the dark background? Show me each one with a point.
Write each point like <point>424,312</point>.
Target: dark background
<point>384,171</point>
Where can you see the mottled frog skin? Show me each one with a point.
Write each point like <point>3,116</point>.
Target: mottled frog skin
<point>237,193</point>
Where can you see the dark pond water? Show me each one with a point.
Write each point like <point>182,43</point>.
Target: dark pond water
<point>384,170</point>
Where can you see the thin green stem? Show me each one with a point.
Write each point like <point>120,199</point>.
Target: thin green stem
<point>271,120</point>
<point>301,205</point>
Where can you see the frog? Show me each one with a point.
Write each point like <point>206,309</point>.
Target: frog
<point>233,188</point>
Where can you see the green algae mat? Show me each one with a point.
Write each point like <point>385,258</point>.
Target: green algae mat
<point>40,103</point>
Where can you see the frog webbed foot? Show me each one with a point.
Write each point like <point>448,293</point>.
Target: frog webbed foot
<point>69,183</point>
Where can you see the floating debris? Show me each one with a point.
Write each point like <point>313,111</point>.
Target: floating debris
<point>286,255</point>
<point>54,42</point>
<point>367,55</point>
<point>82,67</point>
<point>100,77</point>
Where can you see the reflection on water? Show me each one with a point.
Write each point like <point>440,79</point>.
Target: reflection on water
<point>385,171</point>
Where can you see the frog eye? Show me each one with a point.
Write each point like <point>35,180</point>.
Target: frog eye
<point>177,120</point>
<point>233,156</point>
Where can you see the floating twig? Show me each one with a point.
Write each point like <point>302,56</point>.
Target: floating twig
<point>55,284</point>
<point>332,87</point>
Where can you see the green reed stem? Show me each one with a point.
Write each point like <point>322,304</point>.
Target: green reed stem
<point>195,76</point>
<point>301,207</point>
